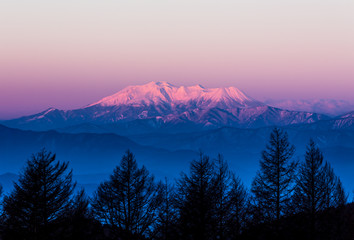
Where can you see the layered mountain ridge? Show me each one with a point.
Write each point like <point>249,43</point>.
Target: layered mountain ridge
<point>161,105</point>
<point>166,125</point>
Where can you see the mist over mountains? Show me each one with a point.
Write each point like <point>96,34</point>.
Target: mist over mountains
<point>329,107</point>
<point>166,126</point>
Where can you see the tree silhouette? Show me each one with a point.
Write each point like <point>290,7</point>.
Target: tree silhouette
<point>211,201</point>
<point>128,200</point>
<point>79,207</point>
<point>340,196</point>
<point>333,192</point>
<point>195,201</point>
<point>309,191</point>
<point>231,201</point>
<point>79,222</point>
<point>238,216</point>
<point>165,226</point>
<point>273,185</point>
<point>39,199</point>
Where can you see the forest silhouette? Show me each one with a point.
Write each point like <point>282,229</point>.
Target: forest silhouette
<point>288,199</point>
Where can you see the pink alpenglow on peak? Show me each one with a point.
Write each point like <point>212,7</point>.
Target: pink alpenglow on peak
<point>156,93</point>
<point>162,105</point>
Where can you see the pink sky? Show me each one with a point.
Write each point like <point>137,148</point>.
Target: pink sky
<point>70,53</point>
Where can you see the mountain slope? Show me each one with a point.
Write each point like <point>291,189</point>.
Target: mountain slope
<point>343,122</point>
<point>166,154</point>
<point>243,147</point>
<point>200,120</point>
<point>161,105</point>
<point>86,152</point>
<point>163,93</point>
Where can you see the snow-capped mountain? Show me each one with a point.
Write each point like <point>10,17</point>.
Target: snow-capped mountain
<point>160,104</point>
<point>163,93</point>
<point>343,122</point>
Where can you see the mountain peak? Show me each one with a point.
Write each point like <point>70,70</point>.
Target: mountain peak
<point>157,105</point>
<point>157,93</point>
<point>161,84</point>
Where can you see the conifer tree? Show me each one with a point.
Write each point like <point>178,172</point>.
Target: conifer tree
<point>340,196</point>
<point>333,192</point>
<point>39,199</point>
<point>239,208</point>
<point>211,201</point>
<point>274,183</point>
<point>195,201</point>
<point>309,191</point>
<point>79,207</point>
<point>128,200</point>
<point>165,226</point>
<point>79,222</point>
<point>231,201</point>
<point>222,184</point>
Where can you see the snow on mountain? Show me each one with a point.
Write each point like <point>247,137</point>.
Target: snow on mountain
<point>324,106</point>
<point>160,93</point>
<point>160,105</point>
<point>348,115</point>
<point>342,122</point>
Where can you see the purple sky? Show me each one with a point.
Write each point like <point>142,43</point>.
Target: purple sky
<point>69,53</point>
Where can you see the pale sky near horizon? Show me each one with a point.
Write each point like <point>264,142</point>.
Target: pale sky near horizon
<point>69,53</point>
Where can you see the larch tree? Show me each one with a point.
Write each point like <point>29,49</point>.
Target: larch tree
<point>195,201</point>
<point>40,197</point>
<point>309,191</point>
<point>333,191</point>
<point>128,200</point>
<point>165,226</point>
<point>239,208</point>
<point>274,183</point>
<point>230,201</point>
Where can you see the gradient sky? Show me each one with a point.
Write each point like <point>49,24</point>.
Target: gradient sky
<point>69,53</point>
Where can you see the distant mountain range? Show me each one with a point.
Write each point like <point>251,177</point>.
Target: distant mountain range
<point>167,154</point>
<point>329,107</point>
<point>165,126</point>
<point>163,106</point>
<point>88,153</point>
